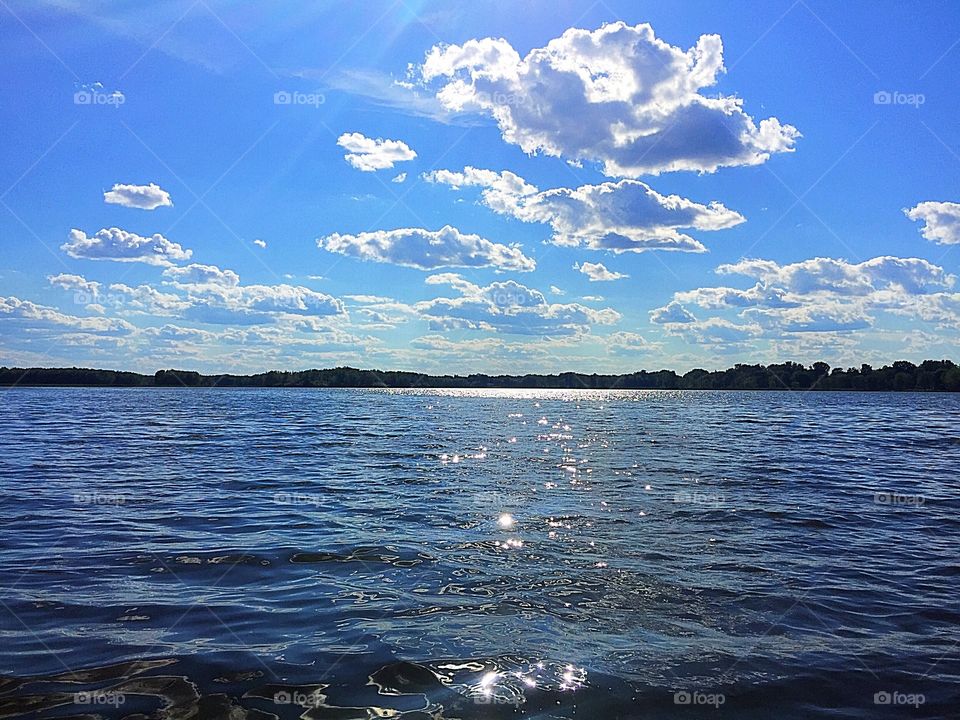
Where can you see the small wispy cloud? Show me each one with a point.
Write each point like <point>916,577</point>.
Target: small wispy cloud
<point>385,91</point>
<point>597,272</point>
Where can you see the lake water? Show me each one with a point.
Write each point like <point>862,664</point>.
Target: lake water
<point>464,554</point>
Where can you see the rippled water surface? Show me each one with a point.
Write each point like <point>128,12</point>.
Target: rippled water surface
<point>255,553</point>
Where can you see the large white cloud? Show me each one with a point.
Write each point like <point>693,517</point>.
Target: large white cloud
<point>492,348</point>
<point>205,293</point>
<point>216,296</point>
<point>942,309</point>
<point>122,246</point>
<point>197,274</point>
<point>369,154</point>
<point>34,315</point>
<point>276,325</point>
<point>508,307</point>
<point>726,297</point>
<point>621,216</point>
<point>428,249</point>
<point>941,221</point>
<point>617,95</point>
<point>628,344</point>
<point>812,317</point>
<point>673,313</point>
<point>176,334</point>
<point>144,197</point>
<point>819,295</point>
<point>908,275</point>
<point>377,312</point>
<point>284,298</point>
<point>719,332</point>
<point>143,298</point>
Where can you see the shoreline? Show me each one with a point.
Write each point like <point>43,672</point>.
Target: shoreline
<point>900,376</point>
<point>9,386</point>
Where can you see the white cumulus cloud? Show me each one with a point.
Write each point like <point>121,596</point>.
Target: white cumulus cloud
<point>216,296</point>
<point>820,295</point>
<point>146,299</point>
<point>369,154</point>
<point>617,95</point>
<point>508,307</point>
<point>122,246</point>
<point>76,283</point>
<point>428,249</point>
<point>624,216</point>
<point>672,313</point>
<point>907,275</point>
<point>627,343</point>
<point>144,197</point>
<point>941,221</point>
<point>32,315</point>
<point>196,274</point>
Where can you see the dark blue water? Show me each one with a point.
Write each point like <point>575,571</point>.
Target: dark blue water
<point>428,554</point>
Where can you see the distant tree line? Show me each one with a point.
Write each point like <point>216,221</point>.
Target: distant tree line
<point>930,375</point>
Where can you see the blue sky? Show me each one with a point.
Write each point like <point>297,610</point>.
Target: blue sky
<point>478,186</point>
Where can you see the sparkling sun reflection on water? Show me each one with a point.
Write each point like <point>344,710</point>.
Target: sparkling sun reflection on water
<point>446,554</point>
